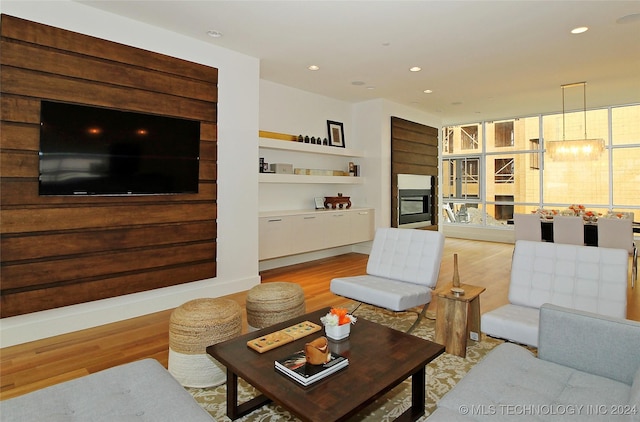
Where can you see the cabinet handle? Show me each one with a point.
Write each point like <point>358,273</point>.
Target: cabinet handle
<point>309,218</point>
<point>363,213</point>
<point>338,215</point>
<point>275,220</point>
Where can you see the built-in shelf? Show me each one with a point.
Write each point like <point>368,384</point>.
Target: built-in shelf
<point>308,148</point>
<point>302,178</point>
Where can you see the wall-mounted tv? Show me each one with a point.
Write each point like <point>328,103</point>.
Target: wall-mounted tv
<point>98,151</point>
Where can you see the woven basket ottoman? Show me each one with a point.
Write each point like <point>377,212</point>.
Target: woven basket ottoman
<point>270,303</point>
<point>194,326</point>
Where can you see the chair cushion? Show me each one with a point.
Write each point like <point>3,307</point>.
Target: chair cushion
<point>512,322</point>
<point>578,277</point>
<point>412,256</point>
<point>383,292</point>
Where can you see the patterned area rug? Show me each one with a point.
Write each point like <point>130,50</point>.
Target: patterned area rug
<point>442,374</point>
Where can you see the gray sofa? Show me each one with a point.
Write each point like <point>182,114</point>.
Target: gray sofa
<point>141,391</point>
<point>588,368</point>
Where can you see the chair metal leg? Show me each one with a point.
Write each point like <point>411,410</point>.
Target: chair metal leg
<point>420,316</point>
<point>634,267</point>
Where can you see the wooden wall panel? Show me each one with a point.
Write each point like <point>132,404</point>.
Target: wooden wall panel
<point>63,250</point>
<point>414,150</point>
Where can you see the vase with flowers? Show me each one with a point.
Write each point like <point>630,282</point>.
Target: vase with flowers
<point>337,323</point>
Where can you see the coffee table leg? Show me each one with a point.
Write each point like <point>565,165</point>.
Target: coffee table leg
<point>235,411</point>
<point>418,393</point>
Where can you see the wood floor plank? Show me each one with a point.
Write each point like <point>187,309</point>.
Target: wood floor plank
<point>31,366</point>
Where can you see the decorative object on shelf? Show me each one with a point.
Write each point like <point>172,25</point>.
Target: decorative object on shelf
<point>300,138</point>
<point>337,323</point>
<point>306,139</point>
<point>325,141</point>
<point>319,201</point>
<point>336,134</point>
<point>337,202</point>
<point>317,351</point>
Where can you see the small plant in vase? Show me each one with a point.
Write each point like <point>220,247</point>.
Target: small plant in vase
<point>337,323</point>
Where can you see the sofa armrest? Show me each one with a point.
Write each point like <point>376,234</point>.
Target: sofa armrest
<point>596,344</point>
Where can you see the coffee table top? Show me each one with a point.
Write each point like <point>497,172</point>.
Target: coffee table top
<point>379,359</point>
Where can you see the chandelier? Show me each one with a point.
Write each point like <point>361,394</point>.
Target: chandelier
<point>575,149</point>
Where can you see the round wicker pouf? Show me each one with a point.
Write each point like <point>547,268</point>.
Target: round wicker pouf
<point>194,326</point>
<point>270,303</point>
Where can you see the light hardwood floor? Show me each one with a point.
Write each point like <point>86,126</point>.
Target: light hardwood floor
<point>34,365</point>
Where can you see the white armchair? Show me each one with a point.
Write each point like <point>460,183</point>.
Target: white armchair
<point>402,271</point>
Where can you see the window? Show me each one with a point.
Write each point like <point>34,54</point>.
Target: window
<point>470,137</point>
<point>534,157</point>
<point>504,134</point>
<point>504,170</point>
<point>510,167</point>
<point>463,176</point>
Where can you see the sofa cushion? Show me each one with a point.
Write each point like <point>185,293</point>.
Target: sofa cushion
<point>142,391</point>
<point>510,376</point>
<point>634,396</point>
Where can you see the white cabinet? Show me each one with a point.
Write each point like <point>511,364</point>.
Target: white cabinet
<point>293,232</point>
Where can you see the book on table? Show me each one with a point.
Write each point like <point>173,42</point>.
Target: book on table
<point>297,368</point>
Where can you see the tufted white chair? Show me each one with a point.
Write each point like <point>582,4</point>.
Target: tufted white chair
<point>402,270</point>
<point>527,227</point>
<point>618,233</point>
<point>577,277</point>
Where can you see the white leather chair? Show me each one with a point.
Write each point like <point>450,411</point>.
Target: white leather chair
<point>527,227</point>
<point>577,277</point>
<point>567,229</point>
<point>402,270</point>
<point>618,233</point>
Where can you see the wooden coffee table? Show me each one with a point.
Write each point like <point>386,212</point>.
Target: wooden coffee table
<point>380,358</point>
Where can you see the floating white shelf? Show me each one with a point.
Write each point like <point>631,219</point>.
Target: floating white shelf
<point>308,148</point>
<point>301,178</point>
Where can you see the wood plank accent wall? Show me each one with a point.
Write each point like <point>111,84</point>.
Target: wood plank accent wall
<point>414,150</point>
<point>63,250</point>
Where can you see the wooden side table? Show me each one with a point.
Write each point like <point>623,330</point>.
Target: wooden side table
<point>458,318</point>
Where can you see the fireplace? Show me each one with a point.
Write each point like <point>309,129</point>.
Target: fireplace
<point>415,206</point>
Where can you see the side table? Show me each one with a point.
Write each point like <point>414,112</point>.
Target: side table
<point>458,318</point>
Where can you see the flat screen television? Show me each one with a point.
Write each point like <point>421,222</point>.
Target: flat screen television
<point>88,150</point>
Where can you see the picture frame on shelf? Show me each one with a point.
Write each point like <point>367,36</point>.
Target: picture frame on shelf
<point>336,133</point>
<point>319,202</point>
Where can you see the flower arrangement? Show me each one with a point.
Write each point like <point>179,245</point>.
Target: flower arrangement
<point>338,316</point>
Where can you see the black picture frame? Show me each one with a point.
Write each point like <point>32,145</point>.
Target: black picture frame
<point>336,134</point>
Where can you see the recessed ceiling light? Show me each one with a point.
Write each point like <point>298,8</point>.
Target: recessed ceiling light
<point>415,69</point>
<point>579,30</point>
<point>214,34</point>
<point>371,87</point>
<point>428,91</point>
<point>314,67</point>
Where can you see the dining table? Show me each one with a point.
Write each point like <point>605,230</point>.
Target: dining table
<point>590,231</point>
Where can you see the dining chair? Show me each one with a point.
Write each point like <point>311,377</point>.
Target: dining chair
<point>618,233</point>
<point>567,229</point>
<point>527,227</point>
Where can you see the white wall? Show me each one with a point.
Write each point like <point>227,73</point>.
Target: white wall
<point>237,247</point>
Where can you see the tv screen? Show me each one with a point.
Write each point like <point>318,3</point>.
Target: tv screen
<point>97,151</point>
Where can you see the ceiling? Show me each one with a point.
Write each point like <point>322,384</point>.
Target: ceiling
<point>483,60</point>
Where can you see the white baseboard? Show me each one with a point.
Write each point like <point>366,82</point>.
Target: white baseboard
<point>38,325</point>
